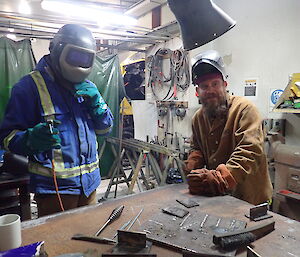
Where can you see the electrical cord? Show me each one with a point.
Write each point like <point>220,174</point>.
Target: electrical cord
<point>56,185</point>
<point>157,78</point>
<point>179,60</point>
<point>178,77</point>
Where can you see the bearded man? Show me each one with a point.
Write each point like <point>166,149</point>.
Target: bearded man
<point>227,152</point>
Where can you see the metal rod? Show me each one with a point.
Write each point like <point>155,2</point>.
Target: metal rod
<point>122,227</point>
<point>203,221</point>
<point>184,220</point>
<point>134,220</point>
<point>218,222</point>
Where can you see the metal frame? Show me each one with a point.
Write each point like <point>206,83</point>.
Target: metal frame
<point>140,155</point>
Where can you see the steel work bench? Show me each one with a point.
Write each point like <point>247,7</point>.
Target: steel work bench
<point>14,195</point>
<point>57,230</point>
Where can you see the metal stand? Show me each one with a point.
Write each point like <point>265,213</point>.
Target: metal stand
<point>140,155</point>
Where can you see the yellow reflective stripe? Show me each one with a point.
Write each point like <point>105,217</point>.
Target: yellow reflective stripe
<point>49,112</point>
<point>102,131</point>
<point>43,92</point>
<point>66,173</point>
<point>58,158</point>
<point>7,140</point>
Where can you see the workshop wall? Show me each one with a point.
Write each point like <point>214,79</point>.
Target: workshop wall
<point>40,47</point>
<point>263,46</point>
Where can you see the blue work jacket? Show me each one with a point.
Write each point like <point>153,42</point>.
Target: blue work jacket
<point>76,163</point>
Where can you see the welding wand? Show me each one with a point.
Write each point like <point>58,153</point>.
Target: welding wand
<point>116,213</point>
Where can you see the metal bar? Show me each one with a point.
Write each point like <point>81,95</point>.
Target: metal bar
<point>94,239</point>
<point>203,221</point>
<point>138,144</point>
<point>102,149</point>
<point>142,174</point>
<point>136,172</point>
<point>131,164</point>
<point>125,225</point>
<point>156,169</point>
<point>121,48</point>
<point>180,225</point>
<point>135,218</point>
<point>178,162</point>
<point>165,172</point>
<point>258,231</point>
<point>112,177</point>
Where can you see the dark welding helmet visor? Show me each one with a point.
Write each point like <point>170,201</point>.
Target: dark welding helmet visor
<point>76,62</point>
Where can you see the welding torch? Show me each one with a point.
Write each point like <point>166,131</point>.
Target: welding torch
<point>50,124</point>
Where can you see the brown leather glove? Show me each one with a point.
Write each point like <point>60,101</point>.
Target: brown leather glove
<point>194,161</point>
<point>210,182</point>
<point>227,176</point>
<point>206,182</point>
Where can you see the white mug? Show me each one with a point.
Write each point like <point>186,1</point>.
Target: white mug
<point>10,232</point>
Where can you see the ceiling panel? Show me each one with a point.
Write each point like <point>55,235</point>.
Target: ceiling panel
<point>43,24</point>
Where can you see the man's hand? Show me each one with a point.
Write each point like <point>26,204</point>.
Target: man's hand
<point>43,137</point>
<point>194,161</point>
<point>210,182</point>
<point>89,91</point>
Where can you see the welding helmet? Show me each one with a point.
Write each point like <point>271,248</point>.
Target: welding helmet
<point>206,63</point>
<point>72,52</point>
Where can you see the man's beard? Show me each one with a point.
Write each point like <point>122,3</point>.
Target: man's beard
<point>216,110</point>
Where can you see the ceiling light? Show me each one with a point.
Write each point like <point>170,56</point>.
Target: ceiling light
<point>24,7</point>
<point>87,11</point>
<point>11,36</point>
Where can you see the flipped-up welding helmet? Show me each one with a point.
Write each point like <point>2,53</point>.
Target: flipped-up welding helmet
<point>72,52</point>
<point>206,63</point>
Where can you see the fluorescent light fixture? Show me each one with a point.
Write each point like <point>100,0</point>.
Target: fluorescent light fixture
<point>86,11</point>
<point>24,7</point>
<point>143,7</point>
<point>11,36</point>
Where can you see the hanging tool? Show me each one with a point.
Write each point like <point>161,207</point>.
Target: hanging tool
<point>243,237</point>
<point>116,213</point>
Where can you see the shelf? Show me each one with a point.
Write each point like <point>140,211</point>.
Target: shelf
<point>289,194</point>
<point>287,110</point>
<point>290,92</point>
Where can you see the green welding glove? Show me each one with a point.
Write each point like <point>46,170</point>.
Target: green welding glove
<point>43,137</point>
<point>90,92</point>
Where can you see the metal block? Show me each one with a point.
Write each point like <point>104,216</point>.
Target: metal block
<point>259,212</point>
<point>131,239</point>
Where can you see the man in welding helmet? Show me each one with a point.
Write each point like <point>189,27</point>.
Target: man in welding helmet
<point>54,116</point>
<point>227,152</point>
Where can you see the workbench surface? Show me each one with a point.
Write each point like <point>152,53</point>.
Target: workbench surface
<point>57,230</point>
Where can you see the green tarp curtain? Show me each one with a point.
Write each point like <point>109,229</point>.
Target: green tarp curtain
<point>107,76</point>
<point>17,60</point>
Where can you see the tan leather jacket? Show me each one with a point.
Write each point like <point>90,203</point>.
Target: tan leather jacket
<point>235,139</point>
